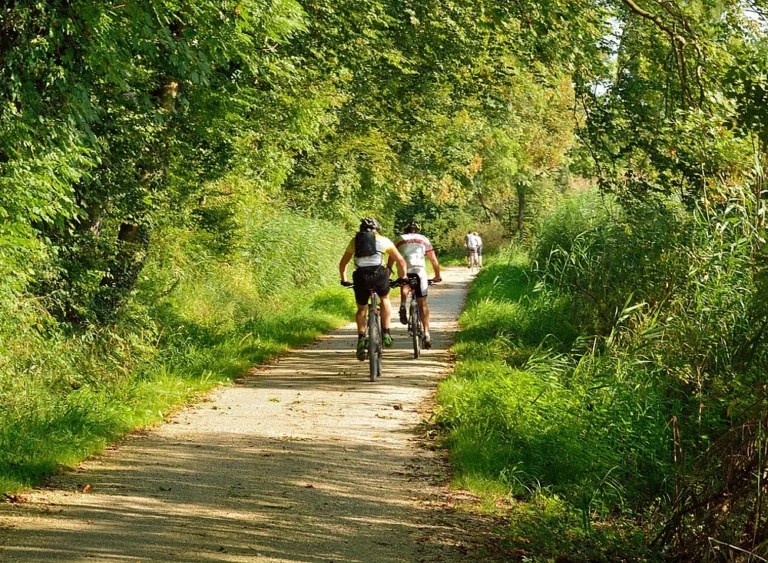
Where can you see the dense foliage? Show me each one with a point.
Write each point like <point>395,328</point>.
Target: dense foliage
<point>165,165</point>
<point>172,171</point>
<point>621,368</point>
<point>611,375</point>
<point>118,119</point>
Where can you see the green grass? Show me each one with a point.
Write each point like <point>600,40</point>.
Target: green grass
<point>44,427</point>
<point>452,259</point>
<point>607,373</point>
<point>199,319</point>
<point>530,418</point>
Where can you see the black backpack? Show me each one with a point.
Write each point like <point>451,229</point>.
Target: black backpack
<point>365,244</point>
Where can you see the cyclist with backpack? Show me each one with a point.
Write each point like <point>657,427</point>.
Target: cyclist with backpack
<point>416,248</point>
<point>368,249</point>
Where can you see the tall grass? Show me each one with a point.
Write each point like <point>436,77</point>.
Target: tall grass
<point>202,315</point>
<point>598,373</point>
<point>533,412</point>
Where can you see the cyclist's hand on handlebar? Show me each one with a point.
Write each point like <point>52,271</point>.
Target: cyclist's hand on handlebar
<point>436,279</point>
<point>346,283</point>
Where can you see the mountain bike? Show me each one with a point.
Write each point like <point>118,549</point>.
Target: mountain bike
<point>374,334</point>
<point>474,261</point>
<point>415,324</point>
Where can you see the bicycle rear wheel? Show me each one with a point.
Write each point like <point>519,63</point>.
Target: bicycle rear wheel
<point>415,329</point>
<point>374,340</point>
<point>380,354</point>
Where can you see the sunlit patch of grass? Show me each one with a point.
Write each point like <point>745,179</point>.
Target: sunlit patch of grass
<point>535,428</point>
<point>452,259</point>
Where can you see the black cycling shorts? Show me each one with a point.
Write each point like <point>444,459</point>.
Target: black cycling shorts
<point>376,277</point>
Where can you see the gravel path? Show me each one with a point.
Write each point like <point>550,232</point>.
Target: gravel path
<point>304,460</point>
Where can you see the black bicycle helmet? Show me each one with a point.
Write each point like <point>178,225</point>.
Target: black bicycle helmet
<point>369,224</point>
<point>412,226</point>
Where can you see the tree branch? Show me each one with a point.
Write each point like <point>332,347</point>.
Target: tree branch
<point>658,21</point>
<point>679,43</point>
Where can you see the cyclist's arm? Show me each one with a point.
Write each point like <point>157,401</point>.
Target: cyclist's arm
<point>435,265</point>
<point>343,265</point>
<point>390,261</point>
<point>395,255</point>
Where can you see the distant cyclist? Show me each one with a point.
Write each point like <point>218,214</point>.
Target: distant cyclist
<point>415,248</point>
<point>368,248</point>
<point>471,242</point>
<point>479,249</point>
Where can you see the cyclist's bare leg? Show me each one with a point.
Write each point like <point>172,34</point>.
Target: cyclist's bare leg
<point>424,308</point>
<point>386,311</point>
<point>404,290</point>
<point>361,318</point>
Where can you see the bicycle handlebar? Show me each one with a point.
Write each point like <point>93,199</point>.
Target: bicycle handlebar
<point>393,283</point>
<point>406,281</point>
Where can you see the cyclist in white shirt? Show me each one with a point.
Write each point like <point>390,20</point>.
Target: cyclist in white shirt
<point>479,248</point>
<point>471,242</point>
<point>416,249</point>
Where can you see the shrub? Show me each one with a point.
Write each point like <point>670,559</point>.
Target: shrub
<point>201,315</point>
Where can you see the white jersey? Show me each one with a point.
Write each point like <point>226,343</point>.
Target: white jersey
<point>414,248</point>
<point>472,242</point>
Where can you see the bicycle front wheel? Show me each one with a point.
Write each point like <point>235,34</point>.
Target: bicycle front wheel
<point>374,341</point>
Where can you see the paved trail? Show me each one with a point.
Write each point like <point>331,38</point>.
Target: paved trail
<point>305,460</point>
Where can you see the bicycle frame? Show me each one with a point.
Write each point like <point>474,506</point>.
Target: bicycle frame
<point>375,338</point>
<point>416,325</point>
<point>374,333</point>
<point>415,321</point>
<point>474,261</point>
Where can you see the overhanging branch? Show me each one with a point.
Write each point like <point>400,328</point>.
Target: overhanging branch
<point>682,41</point>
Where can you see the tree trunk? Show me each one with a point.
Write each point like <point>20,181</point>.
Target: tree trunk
<point>520,211</point>
<point>133,238</point>
<point>759,186</point>
<point>120,279</point>
<point>490,213</point>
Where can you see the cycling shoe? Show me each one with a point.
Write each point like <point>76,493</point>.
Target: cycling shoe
<point>362,349</point>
